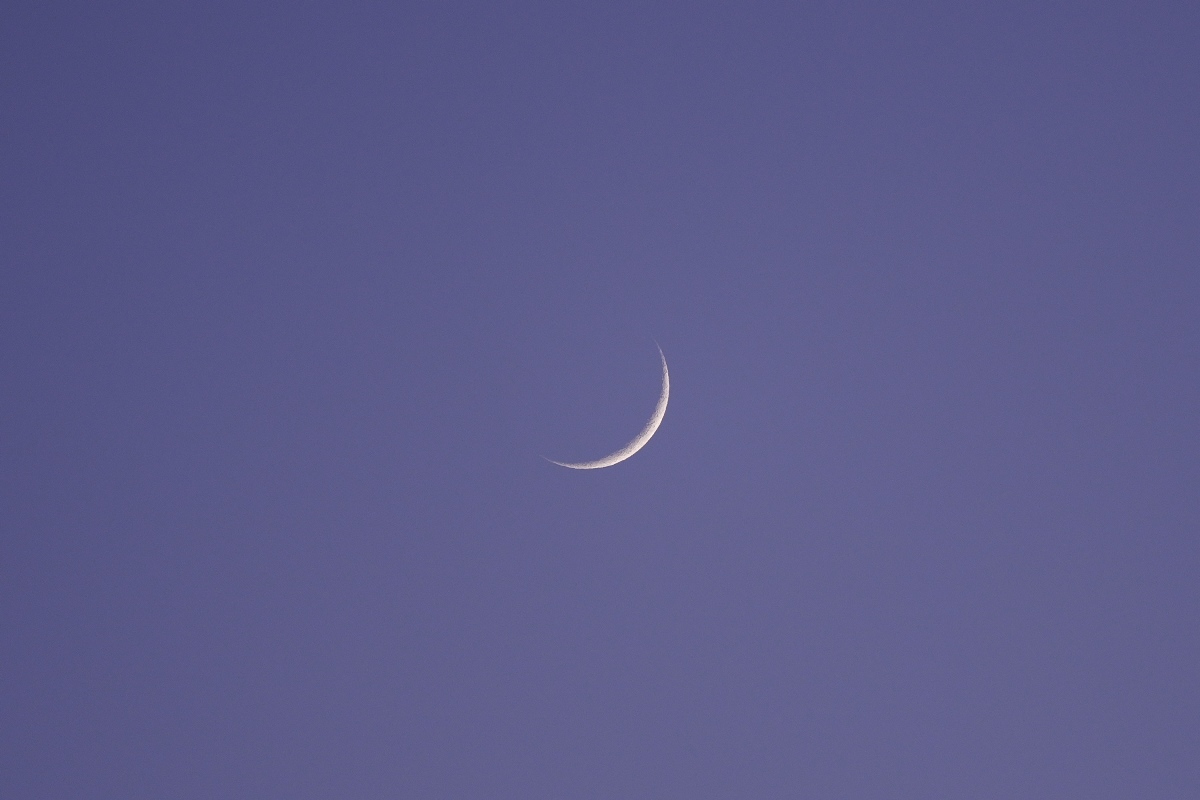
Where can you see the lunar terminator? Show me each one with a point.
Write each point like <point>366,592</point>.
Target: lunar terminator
<point>640,440</point>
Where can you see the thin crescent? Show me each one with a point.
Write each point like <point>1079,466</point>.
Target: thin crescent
<point>640,440</point>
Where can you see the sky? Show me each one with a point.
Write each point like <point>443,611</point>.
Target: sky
<point>296,300</point>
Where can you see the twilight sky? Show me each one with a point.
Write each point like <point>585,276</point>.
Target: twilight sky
<point>295,297</point>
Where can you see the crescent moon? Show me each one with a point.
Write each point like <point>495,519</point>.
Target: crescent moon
<point>640,440</point>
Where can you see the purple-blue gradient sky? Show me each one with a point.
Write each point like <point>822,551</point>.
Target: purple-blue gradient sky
<point>294,299</point>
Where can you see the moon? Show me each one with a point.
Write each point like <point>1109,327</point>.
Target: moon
<point>640,440</point>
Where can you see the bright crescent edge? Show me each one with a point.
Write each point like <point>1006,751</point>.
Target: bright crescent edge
<point>640,440</point>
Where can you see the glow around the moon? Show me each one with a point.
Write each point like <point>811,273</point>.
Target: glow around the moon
<point>640,440</point>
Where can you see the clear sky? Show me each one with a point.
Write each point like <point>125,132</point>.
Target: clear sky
<point>294,298</point>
